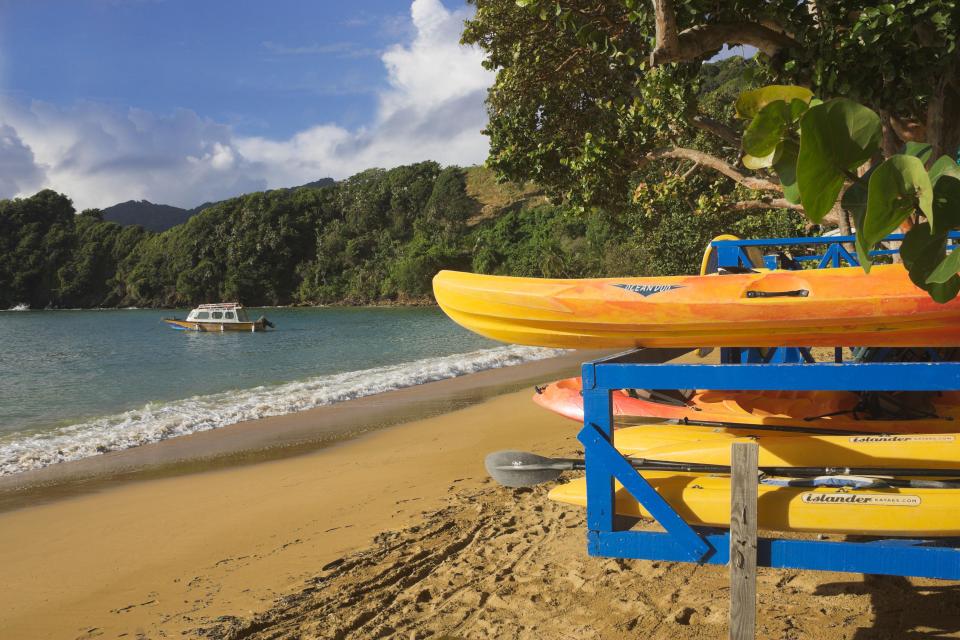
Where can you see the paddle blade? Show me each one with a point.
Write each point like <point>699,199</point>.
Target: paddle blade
<point>522,469</point>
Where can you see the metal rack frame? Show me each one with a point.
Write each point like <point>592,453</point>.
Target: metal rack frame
<point>648,369</point>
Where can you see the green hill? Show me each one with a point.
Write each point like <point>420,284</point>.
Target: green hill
<point>375,238</point>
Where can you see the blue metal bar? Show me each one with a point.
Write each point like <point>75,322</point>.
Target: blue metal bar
<point>917,558</point>
<point>778,242</point>
<point>872,376</point>
<point>598,418</point>
<point>600,451</point>
<point>681,542</point>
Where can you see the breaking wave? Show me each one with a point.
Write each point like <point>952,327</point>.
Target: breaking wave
<point>160,421</point>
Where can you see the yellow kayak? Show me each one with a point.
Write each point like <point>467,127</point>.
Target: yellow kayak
<point>705,500</point>
<point>821,307</point>
<point>700,445</point>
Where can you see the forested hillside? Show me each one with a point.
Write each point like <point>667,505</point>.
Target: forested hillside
<point>377,237</point>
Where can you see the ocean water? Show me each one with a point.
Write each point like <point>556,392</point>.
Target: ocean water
<point>77,383</point>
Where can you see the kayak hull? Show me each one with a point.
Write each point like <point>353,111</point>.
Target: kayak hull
<point>705,446</point>
<point>790,410</point>
<point>824,307</point>
<point>705,501</point>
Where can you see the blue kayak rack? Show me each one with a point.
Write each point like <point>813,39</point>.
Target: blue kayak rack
<point>750,370</point>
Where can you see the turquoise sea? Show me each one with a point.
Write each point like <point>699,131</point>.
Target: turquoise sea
<point>77,383</point>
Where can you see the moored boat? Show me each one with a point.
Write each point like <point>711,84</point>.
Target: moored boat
<point>218,318</point>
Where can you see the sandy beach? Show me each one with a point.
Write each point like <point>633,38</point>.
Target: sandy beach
<point>386,530</point>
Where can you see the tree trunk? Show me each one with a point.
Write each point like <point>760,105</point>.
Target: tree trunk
<point>943,115</point>
<point>891,141</point>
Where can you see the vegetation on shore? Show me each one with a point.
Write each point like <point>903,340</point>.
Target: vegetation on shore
<point>376,237</point>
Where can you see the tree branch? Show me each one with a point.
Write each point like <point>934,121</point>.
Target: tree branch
<point>693,43</point>
<point>718,165</point>
<point>716,127</point>
<point>764,203</point>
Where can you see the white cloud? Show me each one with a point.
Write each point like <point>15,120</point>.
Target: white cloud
<point>432,109</point>
<point>100,156</point>
<point>19,171</point>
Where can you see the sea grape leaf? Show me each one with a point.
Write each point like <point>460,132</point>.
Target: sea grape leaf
<point>923,252</point>
<point>855,197</point>
<point>753,162</point>
<point>750,103</point>
<point>896,189</point>
<point>785,164</point>
<point>946,203</point>
<point>944,166</point>
<point>797,108</point>
<point>921,150</point>
<point>836,137</point>
<point>946,270</point>
<point>767,129</point>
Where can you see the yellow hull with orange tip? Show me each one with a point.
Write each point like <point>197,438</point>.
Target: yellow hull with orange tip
<point>706,446</point>
<point>705,500</point>
<point>822,307</point>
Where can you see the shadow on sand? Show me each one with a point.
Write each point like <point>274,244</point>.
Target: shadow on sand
<point>904,611</point>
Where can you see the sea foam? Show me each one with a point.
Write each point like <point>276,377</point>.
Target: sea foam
<point>159,421</point>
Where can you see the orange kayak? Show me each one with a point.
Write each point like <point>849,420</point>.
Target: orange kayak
<point>788,409</point>
<point>818,307</point>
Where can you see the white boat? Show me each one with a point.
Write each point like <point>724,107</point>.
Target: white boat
<point>218,318</point>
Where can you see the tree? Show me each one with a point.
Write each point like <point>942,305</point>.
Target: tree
<point>589,94</point>
<point>817,150</point>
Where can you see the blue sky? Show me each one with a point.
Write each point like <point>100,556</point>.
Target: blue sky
<point>183,101</point>
<point>264,67</point>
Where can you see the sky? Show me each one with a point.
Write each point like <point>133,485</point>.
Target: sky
<point>187,101</point>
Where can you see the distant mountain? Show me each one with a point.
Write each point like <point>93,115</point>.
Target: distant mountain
<point>317,184</point>
<point>154,217</point>
<point>160,217</point>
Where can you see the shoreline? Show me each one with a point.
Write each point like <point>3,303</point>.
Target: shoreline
<point>426,301</point>
<point>277,437</point>
<point>171,553</point>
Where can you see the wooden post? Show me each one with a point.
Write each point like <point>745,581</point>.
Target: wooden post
<point>743,540</point>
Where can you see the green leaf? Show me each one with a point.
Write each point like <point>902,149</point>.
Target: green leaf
<point>797,108</point>
<point>947,269</point>
<point>945,165</point>
<point>750,103</point>
<point>920,150</point>
<point>896,188</point>
<point>946,203</point>
<point>855,197</point>
<point>923,252</point>
<point>785,164</point>
<point>766,130</point>
<point>836,137</point>
<point>754,163</point>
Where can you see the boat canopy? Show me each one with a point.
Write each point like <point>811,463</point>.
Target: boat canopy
<point>222,312</point>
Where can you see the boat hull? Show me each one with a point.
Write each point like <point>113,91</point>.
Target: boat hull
<point>824,307</point>
<point>215,327</point>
